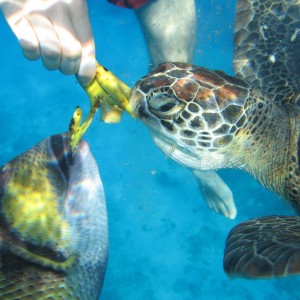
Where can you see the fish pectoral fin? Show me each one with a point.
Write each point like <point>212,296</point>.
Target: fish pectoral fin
<point>42,261</point>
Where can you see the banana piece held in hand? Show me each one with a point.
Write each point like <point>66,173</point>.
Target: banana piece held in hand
<point>106,92</point>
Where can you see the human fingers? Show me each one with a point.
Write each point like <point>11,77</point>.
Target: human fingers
<point>70,45</point>
<point>49,43</point>
<point>87,68</point>
<point>81,23</point>
<point>27,39</point>
<point>59,32</point>
<point>22,29</point>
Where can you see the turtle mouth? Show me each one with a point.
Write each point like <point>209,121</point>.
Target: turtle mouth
<point>136,102</point>
<point>164,140</point>
<point>141,111</point>
<point>181,154</point>
<point>146,117</point>
<point>169,143</point>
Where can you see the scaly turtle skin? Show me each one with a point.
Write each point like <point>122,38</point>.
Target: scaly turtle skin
<point>53,224</point>
<point>208,120</point>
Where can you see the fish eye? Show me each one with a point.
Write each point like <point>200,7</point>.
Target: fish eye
<point>164,105</point>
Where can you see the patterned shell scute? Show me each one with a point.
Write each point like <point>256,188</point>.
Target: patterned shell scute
<point>267,47</point>
<point>185,89</point>
<point>178,73</point>
<point>155,82</point>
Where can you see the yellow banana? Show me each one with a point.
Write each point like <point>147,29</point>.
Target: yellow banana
<point>106,92</point>
<point>117,90</point>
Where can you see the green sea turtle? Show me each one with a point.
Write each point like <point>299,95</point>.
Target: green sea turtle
<point>53,224</point>
<point>207,120</point>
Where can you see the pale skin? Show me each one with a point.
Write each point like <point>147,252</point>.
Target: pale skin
<point>59,32</point>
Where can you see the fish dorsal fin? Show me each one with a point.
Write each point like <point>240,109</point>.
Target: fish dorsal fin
<point>267,47</point>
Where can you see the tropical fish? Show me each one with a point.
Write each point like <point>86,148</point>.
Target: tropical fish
<point>53,223</point>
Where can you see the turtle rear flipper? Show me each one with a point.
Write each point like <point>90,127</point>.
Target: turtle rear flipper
<point>264,248</point>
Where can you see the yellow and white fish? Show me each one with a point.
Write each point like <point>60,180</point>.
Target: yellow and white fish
<point>53,224</point>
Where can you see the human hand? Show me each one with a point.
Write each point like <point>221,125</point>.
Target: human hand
<point>58,31</point>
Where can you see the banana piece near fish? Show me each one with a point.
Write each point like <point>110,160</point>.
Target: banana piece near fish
<point>106,92</point>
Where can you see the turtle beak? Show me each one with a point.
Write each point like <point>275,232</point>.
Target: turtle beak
<point>137,103</point>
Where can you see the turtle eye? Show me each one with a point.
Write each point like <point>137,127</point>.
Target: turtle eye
<point>164,105</point>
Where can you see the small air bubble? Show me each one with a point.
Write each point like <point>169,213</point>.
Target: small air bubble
<point>272,58</point>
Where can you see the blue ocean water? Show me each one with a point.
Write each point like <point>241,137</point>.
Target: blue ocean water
<point>165,243</point>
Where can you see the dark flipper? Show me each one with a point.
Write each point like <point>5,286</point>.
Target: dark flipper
<point>264,248</point>
<point>267,47</point>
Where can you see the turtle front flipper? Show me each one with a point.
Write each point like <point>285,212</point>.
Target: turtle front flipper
<point>216,193</point>
<point>264,247</point>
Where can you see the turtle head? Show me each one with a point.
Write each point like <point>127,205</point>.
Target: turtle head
<point>193,113</point>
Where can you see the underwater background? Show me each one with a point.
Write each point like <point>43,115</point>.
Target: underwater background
<point>165,243</point>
